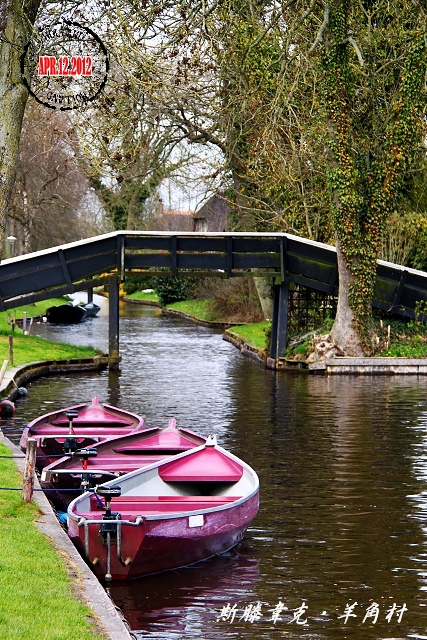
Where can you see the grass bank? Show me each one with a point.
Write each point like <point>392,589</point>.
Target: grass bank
<point>144,296</point>
<point>254,333</point>
<point>199,309</point>
<point>27,348</point>
<point>37,596</point>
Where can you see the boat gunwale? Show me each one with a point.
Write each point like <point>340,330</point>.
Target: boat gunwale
<point>178,514</point>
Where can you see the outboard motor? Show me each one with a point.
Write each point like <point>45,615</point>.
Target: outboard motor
<point>88,479</point>
<point>70,443</point>
<point>109,518</point>
<point>109,526</point>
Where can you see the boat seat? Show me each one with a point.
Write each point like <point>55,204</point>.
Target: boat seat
<point>130,506</point>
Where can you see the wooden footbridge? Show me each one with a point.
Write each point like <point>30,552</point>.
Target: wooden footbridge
<point>110,258</point>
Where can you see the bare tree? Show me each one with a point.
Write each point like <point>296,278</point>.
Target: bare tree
<point>50,203</point>
<point>16,20</point>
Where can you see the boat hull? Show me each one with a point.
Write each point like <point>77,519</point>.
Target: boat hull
<point>94,423</point>
<point>91,309</point>
<point>161,544</point>
<point>66,314</point>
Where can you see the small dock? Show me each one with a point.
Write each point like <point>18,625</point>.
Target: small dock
<point>359,366</point>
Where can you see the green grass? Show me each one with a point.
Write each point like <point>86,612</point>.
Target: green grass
<point>141,295</point>
<point>31,348</point>
<point>406,351</point>
<point>199,309</point>
<point>253,333</point>
<point>37,598</point>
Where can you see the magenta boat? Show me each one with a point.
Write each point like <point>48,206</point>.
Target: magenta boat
<point>168,515</point>
<point>81,425</point>
<point>71,475</point>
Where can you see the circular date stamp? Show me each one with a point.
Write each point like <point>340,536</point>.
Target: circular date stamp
<point>65,66</point>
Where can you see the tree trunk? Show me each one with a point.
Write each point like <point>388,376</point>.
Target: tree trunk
<point>16,19</point>
<point>131,224</point>
<point>344,332</point>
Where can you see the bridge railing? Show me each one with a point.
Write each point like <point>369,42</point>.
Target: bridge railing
<point>82,265</point>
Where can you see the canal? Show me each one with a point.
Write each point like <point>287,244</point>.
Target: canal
<point>339,548</point>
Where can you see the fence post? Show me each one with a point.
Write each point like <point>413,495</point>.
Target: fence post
<point>30,463</point>
<point>11,350</point>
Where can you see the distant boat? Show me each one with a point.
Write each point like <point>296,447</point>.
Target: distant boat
<point>69,313</point>
<point>75,427</point>
<point>167,515</point>
<point>91,309</point>
<point>72,475</point>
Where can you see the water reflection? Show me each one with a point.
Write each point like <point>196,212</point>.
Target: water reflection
<point>200,594</point>
<point>342,464</point>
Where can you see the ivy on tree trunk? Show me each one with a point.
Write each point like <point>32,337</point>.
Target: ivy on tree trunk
<point>369,157</point>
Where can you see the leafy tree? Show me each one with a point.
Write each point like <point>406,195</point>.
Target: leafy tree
<point>372,58</point>
<point>173,289</point>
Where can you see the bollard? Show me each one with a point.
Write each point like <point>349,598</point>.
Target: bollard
<point>30,463</point>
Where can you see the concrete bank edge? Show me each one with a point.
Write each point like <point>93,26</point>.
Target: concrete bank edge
<point>247,349</point>
<point>93,594</point>
<point>18,376</point>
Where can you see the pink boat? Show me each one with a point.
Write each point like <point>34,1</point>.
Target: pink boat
<point>71,475</point>
<point>81,425</point>
<point>168,515</point>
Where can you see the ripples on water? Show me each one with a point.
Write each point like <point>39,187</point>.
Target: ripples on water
<point>343,468</point>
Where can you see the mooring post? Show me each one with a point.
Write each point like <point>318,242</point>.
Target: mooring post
<point>113,324</point>
<point>279,326</point>
<point>89,296</point>
<point>3,369</point>
<point>30,463</point>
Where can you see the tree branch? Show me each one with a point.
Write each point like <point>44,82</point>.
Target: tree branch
<point>322,29</point>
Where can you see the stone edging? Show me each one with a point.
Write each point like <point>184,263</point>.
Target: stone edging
<point>147,303</point>
<point>375,366</point>
<point>94,595</point>
<point>187,316</point>
<point>247,349</point>
<point>18,376</point>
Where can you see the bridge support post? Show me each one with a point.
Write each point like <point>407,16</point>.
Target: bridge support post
<point>279,326</point>
<point>113,322</point>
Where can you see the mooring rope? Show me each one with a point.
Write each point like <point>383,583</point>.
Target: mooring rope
<point>44,490</point>
<point>54,455</point>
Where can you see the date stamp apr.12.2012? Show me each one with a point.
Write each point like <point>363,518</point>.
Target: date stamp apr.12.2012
<point>65,66</point>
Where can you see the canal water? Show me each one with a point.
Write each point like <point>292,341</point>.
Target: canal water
<point>339,548</point>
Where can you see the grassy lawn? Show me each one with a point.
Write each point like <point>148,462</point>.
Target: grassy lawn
<point>197,308</point>
<point>142,295</point>
<point>30,348</point>
<point>253,333</point>
<point>37,598</point>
